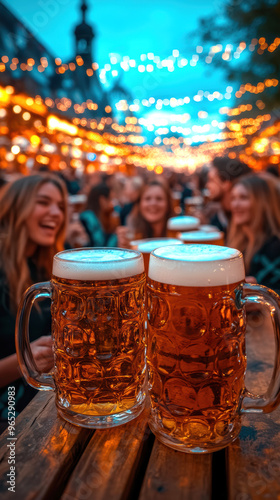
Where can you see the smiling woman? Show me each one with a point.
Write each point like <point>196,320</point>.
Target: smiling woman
<point>46,218</point>
<point>32,228</point>
<point>255,227</point>
<point>149,216</point>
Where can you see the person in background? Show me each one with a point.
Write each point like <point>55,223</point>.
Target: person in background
<point>149,216</point>
<point>255,227</point>
<point>131,193</point>
<point>273,170</point>
<point>223,171</point>
<point>97,218</point>
<point>69,176</point>
<point>32,230</point>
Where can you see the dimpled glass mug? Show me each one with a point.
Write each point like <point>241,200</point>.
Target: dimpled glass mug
<point>196,346</point>
<point>201,236</point>
<point>181,223</point>
<point>97,307</point>
<point>146,245</point>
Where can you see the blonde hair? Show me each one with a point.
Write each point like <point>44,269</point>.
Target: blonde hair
<point>264,192</point>
<point>17,200</point>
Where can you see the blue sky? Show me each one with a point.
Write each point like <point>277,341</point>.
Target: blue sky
<point>130,29</point>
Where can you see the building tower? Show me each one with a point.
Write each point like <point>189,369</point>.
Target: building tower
<point>84,36</point>
<point>83,84</point>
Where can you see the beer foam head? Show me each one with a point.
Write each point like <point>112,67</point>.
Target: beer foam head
<point>97,264</point>
<point>196,265</point>
<point>201,236</point>
<point>148,244</point>
<point>182,223</point>
<point>208,228</point>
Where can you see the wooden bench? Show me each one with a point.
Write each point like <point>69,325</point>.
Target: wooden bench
<point>55,459</point>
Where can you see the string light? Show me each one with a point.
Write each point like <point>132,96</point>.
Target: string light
<point>151,60</point>
<point>155,157</point>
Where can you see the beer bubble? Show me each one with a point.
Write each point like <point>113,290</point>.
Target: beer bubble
<point>222,427</point>
<point>224,317</point>
<point>130,303</point>
<point>154,383</point>
<point>196,359</point>
<point>169,423</point>
<point>229,357</point>
<point>179,397</point>
<point>74,340</point>
<point>131,333</point>
<point>72,307</point>
<point>158,311</point>
<point>167,355</point>
<point>189,319</point>
<point>197,429</point>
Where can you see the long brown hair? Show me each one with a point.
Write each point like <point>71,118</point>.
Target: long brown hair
<point>264,192</point>
<point>17,200</point>
<point>143,227</point>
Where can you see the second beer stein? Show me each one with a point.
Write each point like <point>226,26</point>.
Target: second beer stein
<point>201,236</point>
<point>97,307</point>
<point>146,245</point>
<point>181,223</point>
<point>196,346</point>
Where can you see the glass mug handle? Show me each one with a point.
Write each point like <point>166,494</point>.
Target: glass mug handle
<point>258,294</point>
<point>42,381</point>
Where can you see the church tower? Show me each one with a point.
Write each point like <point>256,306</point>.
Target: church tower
<point>83,84</point>
<point>84,36</point>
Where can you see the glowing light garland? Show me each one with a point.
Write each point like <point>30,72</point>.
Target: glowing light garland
<point>154,158</point>
<point>133,125</point>
<point>152,61</point>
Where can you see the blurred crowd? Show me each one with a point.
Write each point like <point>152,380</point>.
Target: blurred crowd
<point>44,213</point>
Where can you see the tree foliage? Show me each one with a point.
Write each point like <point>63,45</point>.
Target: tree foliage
<point>243,21</point>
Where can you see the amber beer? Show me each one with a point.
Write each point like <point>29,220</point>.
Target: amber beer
<point>97,307</point>
<point>182,223</point>
<point>98,332</point>
<point>147,245</point>
<point>196,354</point>
<point>201,236</point>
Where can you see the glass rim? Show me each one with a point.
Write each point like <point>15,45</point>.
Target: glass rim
<point>185,235</point>
<point>160,238</point>
<point>136,254</point>
<point>193,258</point>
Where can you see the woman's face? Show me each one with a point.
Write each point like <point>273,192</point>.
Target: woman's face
<point>47,216</point>
<point>241,205</point>
<point>106,205</point>
<point>154,204</point>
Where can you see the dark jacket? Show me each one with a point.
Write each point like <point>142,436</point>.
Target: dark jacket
<point>40,324</point>
<point>97,236</point>
<point>265,265</point>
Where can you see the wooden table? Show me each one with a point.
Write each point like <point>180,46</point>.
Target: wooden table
<point>55,459</point>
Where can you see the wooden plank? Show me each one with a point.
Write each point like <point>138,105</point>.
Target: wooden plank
<point>253,461</point>
<point>46,449</point>
<point>110,463</point>
<point>174,475</point>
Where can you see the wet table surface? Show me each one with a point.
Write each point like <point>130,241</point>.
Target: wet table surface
<point>55,459</point>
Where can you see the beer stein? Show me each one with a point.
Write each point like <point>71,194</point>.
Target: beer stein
<point>208,228</point>
<point>181,223</point>
<point>146,245</point>
<point>97,308</point>
<point>193,204</point>
<point>196,358</point>
<point>200,236</point>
